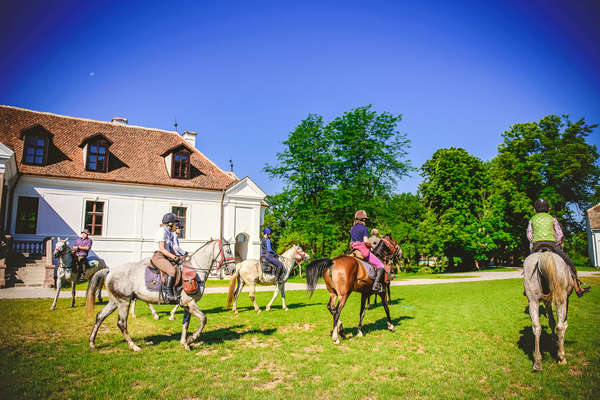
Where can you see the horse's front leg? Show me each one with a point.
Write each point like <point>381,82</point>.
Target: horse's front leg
<point>193,308</point>
<point>363,301</point>
<point>283,297</point>
<point>153,311</point>
<point>184,328</point>
<point>122,324</point>
<point>58,287</point>
<point>252,296</point>
<point>236,295</point>
<point>534,313</point>
<point>275,293</point>
<point>132,308</point>
<point>73,290</point>
<point>173,311</point>
<point>561,328</point>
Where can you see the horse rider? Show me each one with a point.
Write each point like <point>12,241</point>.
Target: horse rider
<point>544,230</point>
<point>359,236</point>
<point>80,251</point>
<point>266,250</point>
<point>374,239</point>
<point>165,258</point>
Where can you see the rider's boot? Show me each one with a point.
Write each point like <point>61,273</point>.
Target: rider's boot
<point>580,291</point>
<point>169,295</point>
<point>84,266</point>
<point>377,285</point>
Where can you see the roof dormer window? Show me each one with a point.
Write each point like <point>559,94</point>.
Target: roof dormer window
<point>97,156</point>
<point>36,140</point>
<point>181,165</point>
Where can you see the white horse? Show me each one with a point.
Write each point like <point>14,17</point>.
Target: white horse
<point>548,278</point>
<point>65,273</point>
<point>249,272</point>
<point>126,281</point>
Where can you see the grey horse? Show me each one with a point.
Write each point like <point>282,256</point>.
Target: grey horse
<point>126,281</point>
<point>547,278</point>
<point>64,273</point>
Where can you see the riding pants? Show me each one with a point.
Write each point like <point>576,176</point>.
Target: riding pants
<point>369,257</point>
<point>273,260</point>
<point>535,246</point>
<point>163,263</point>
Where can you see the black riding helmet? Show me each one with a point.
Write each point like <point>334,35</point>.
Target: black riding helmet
<point>170,218</point>
<point>541,205</point>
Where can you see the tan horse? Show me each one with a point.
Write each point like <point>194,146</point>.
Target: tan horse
<point>249,272</point>
<point>547,278</point>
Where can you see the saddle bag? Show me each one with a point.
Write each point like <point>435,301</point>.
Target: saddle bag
<point>190,281</point>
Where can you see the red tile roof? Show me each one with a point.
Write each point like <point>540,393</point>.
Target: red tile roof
<point>135,152</point>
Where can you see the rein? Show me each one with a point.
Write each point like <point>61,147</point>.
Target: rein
<point>221,254</point>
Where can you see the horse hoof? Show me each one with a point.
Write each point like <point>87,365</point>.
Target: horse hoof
<point>171,318</point>
<point>268,309</point>
<point>258,311</point>
<point>562,362</point>
<point>235,312</point>
<point>156,317</point>
<point>390,327</point>
<point>136,348</point>
<point>537,366</point>
<point>51,308</point>
<point>359,334</point>
<point>186,346</point>
<point>285,309</point>
<point>336,341</point>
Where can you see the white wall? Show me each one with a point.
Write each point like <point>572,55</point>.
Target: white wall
<point>594,247</point>
<point>132,214</point>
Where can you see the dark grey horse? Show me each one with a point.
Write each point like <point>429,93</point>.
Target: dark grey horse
<point>126,281</point>
<point>547,278</point>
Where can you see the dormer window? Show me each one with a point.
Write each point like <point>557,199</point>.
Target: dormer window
<point>97,155</point>
<point>36,140</point>
<point>181,165</point>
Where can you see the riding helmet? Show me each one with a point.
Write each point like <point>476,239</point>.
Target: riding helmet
<point>170,218</point>
<point>360,214</point>
<point>541,205</point>
<point>268,231</point>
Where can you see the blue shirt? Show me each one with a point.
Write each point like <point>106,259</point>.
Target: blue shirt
<point>265,248</point>
<point>358,233</point>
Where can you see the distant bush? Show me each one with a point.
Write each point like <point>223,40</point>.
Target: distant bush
<point>425,270</point>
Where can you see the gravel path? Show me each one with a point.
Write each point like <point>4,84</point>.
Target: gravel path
<point>473,276</point>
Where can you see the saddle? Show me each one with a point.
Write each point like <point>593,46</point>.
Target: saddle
<point>270,268</point>
<point>156,282</point>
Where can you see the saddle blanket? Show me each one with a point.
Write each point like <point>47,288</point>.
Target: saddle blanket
<point>370,269</point>
<point>153,280</point>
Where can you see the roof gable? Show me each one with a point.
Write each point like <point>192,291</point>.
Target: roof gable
<point>246,188</point>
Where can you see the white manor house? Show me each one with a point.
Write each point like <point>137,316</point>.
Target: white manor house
<point>62,174</point>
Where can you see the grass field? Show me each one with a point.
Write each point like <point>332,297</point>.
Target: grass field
<point>456,340</point>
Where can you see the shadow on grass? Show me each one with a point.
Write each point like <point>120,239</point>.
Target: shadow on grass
<point>215,336</point>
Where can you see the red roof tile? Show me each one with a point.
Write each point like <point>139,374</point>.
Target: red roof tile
<point>135,152</point>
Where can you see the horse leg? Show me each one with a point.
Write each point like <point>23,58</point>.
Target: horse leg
<point>184,328</point>
<point>100,291</point>
<point>561,327</point>
<point>58,286</point>
<point>363,300</point>
<point>534,313</point>
<point>132,308</point>
<point>387,310</point>
<point>105,312</point>
<point>122,324</point>
<point>173,311</point>
<point>252,288</point>
<point>337,324</point>
<point>153,311</point>
<point>275,293</point>
<point>550,316</point>
<point>73,292</point>
<point>236,295</point>
<point>196,312</point>
<point>282,290</point>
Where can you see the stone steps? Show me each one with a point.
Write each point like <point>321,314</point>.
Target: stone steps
<point>27,271</point>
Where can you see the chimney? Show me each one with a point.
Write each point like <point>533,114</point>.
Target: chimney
<point>190,138</point>
<point>119,120</point>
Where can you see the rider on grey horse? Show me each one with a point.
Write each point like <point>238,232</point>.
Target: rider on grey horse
<point>267,252</point>
<point>80,251</point>
<point>165,258</point>
<point>545,231</point>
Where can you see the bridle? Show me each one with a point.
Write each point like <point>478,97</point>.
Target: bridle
<point>221,258</point>
<point>301,253</point>
<point>224,260</point>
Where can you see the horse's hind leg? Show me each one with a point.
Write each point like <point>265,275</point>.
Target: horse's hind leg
<point>275,293</point>
<point>105,312</point>
<point>99,290</point>
<point>122,324</point>
<point>132,308</point>
<point>73,291</point>
<point>337,324</point>
<point>363,300</point>
<point>153,311</point>
<point>550,316</point>
<point>184,328</point>
<point>196,312</point>
<point>561,327</point>
<point>58,287</point>
<point>534,313</point>
<point>252,289</point>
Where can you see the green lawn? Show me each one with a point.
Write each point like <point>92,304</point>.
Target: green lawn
<point>456,340</point>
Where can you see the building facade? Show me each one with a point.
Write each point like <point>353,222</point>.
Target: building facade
<point>593,215</point>
<point>62,174</point>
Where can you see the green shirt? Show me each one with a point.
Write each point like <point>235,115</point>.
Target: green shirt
<point>542,225</point>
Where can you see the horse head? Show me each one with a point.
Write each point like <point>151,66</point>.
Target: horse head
<point>62,247</point>
<point>300,255</point>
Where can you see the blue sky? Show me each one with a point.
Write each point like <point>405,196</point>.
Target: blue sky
<point>244,74</point>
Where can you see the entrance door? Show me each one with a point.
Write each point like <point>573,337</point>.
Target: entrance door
<point>241,247</point>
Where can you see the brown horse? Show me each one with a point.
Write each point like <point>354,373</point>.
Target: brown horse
<point>343,275</point>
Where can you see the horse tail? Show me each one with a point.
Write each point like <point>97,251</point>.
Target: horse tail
<point>314,270</point>
<point>547,266</point>
<point>232,286</point>
<point>90,299</point>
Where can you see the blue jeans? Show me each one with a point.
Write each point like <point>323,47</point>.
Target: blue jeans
<point>274,260</point>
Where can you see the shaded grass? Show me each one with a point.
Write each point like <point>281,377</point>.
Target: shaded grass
<point>458,340</point>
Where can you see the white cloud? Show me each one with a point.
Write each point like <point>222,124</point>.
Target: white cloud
<point>92,73</point>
